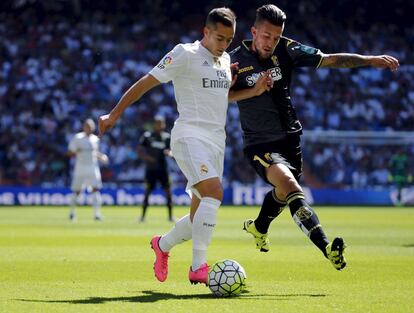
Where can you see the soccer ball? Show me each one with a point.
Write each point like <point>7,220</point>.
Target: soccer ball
<point>227,278</point>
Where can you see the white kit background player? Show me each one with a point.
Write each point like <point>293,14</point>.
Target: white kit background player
<point>85,147</point>
<point>201,76</point>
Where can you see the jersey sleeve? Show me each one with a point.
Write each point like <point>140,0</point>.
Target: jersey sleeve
<point>171,65</point>
<point>234,58</point>
<point>302,55</point>
<point>73,145</point>
<point>168,142</point>
<point>143,141</point>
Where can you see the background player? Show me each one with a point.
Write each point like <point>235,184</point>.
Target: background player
<point>85,147</point>
<point>153,149</point>
<point>400,173</point>
<point>201,76</point>
<point>271,128</point>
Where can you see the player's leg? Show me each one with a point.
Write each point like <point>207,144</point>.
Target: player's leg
<point>181,232</point>
<point>95,182</point>
<point>304,216</point>
<point>204,221</point>
<point>270,209</point>
<point>97,204</point>
<point>400,185</point>
<point>73,203</point>
<point>203,168</point>
<point>149,187</point>
<point>193,160</point>
<point>76,188</point>
<point>166,185</point>
<point>260,159</point>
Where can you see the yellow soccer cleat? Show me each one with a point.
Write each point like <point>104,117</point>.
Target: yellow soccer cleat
<point>335,253</point>
<point>262,241</point>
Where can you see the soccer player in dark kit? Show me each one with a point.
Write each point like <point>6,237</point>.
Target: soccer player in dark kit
<point>270,126</point>
<point>153,149</point>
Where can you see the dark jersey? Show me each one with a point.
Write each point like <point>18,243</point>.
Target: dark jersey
<point>399,167</point>
<point>154,145</point>
<point>270,116</point>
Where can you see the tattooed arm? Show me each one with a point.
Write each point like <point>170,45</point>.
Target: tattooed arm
<point>348,60</point>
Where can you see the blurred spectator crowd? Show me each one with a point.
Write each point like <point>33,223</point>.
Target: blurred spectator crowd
<point>63,63</point>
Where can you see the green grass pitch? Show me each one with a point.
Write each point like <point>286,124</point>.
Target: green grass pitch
<point>48,264</point>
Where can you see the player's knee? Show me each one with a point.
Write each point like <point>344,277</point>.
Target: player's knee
<point>217,193</point>
<point>214,191</point>
<point>290,185</point>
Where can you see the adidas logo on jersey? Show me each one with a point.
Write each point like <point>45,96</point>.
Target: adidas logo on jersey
<point>205,63</point>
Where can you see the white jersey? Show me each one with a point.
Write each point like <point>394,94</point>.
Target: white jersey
<point>86,149</point>
<point>201,86</point>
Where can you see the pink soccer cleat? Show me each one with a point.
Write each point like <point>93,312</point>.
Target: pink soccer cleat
<point>161,260</point>
<point>200,275</point>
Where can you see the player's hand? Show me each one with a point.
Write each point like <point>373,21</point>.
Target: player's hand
<point>264,83</point>
<point>104,158</point>
<point>234,67</point>
<point>105,122</point>
<point>385,61</point>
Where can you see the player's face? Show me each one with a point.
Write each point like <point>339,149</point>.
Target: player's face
<point>218,38</point>
<point>266,36</point>
<point>87,129</point>
<point>159,126</point>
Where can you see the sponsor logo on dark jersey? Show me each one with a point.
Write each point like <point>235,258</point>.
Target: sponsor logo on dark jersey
<point>245,69</point>
<point>275,74</point>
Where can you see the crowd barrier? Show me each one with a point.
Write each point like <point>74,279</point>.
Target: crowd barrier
<point>237,195</point>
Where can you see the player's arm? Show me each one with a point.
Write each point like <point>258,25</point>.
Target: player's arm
<point>72,148</point>
<point>102,157</point>
<point>133,94</point>
<point>264,83</point>
<point>350,60</point>
<point>70,154</point>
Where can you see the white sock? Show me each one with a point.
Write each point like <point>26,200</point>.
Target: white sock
<point>73,203</point>
<point>181,232</point>
<point>204,222</point>
<point>96,202</point>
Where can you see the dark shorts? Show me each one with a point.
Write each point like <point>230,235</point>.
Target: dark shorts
<point>154,176</point>
<point>286,151</point>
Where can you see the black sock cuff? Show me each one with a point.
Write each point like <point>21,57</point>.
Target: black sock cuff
<point>295,195</point>
<point>279,201</point>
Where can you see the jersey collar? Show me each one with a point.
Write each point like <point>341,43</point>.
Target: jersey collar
<point>247,44</point>
<point>204,49</point>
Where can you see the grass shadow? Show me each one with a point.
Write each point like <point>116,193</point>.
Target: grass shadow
<point>150,296</point>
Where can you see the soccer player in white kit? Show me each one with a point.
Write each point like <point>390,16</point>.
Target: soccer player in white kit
<point>85,147</point>
<point>201,75</point>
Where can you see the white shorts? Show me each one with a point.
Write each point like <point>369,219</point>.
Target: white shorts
<point>198,160</point>
<point>86,179</point>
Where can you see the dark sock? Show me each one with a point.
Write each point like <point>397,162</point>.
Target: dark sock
<point>271,208</point>
<point>307,220</point>
<point>145,203</point>
<point>169,206</point>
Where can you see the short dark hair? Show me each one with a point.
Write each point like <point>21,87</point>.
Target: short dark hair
<point>271,14</point>
<point>222,15</point>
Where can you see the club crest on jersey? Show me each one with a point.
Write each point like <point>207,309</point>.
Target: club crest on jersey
<point>275,60</point>
<point>204,169</point>
<point>164,62</point>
